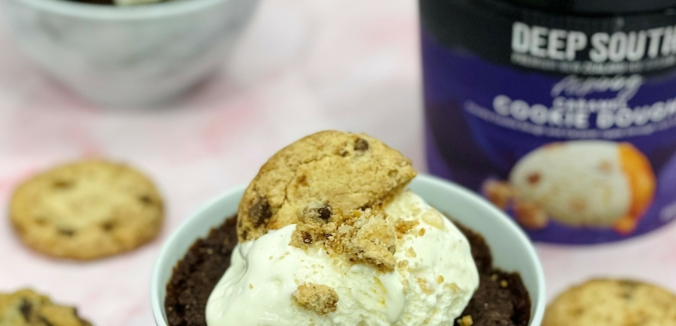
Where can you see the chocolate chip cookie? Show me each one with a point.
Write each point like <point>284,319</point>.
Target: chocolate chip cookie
<point>607,302</point>
<point>27,308</point>
<point>329,172</point>
<point>87,210</point>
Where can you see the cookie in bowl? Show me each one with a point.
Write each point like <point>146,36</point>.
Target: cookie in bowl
<point>335,231</point>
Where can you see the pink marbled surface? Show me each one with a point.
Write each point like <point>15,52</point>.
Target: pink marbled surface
<point>302,66</point>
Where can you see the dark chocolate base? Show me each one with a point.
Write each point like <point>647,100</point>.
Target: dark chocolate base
<point>501,300</point>
<point>196,275</point>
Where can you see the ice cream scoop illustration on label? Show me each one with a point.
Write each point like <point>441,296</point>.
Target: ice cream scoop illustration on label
<point>591,183</point>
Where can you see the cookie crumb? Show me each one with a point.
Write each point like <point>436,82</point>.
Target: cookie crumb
<point>402,264</point>
<point>402,226</point>
<point>307,238</point>
<point>424,286</point>
<point>466,321</point>
<point>319,212</point>
<point>362,237</point>
<point>316,297</point>
<point>504,283</point>
<point>411,253</point>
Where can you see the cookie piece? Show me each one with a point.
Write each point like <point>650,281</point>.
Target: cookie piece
<point>606,302</point>
<point>316,297</point>
<point>87,210</point>
<point>339,171</point>
<point>362,237</point>
<point>27,308</point>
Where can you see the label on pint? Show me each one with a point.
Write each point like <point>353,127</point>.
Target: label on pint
<point>566,123</point>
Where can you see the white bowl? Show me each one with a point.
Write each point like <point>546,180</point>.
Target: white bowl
<point>128,56</point>
<point>512,251</point>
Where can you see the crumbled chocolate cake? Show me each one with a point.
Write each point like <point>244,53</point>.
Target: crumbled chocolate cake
<point>501,300</point>
<point>197,274</point>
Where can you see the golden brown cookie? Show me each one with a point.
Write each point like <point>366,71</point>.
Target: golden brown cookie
<point>316,297</point>
<point>606,302</point>
<point>87,210</point>
<point>27,308</point>
<point>336,170</point>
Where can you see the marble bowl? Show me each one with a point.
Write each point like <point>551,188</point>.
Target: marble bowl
<point>511,249</point>
<point>128,56</point>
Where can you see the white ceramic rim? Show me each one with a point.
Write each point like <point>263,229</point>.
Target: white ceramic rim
<point>466,194</point>
<point>121,13</point>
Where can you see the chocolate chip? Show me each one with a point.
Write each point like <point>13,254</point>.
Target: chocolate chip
<point>67,232</point>
<point>260,211</point>
<point>26,308</point>
<point>628,288</point>
<point>302,180</point>
<point>324,212</point>
<point>534,178</point>
<point>62,184</point>
<point>108,226</point>
<point>629,284</point>
<point>307,238</point>
<point>146,199</point>
<point>361,145</point>
<point>392,249</point>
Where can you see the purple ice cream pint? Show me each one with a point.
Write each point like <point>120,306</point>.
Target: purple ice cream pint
<point>560,113</point>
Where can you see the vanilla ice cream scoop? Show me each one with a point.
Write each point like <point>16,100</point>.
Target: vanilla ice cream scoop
<point>587,183</point>
<point>428,278</point>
